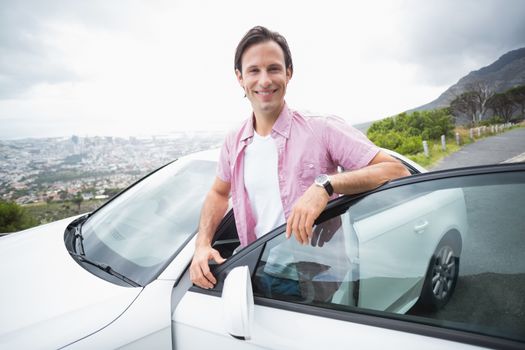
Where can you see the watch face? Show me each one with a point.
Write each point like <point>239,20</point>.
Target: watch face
<point>321,179</point>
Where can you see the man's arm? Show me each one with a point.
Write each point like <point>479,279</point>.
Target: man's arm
<point>213,210</point>
<point>381,169</point>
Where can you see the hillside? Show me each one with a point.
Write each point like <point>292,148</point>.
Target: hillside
<point>505,73</point>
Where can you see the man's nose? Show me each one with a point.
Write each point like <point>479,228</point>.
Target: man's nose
<point>265,80</point>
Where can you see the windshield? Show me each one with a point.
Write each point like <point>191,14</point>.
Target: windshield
<point>139,231</point>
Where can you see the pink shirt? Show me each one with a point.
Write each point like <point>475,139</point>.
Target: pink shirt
<point>306,147</point>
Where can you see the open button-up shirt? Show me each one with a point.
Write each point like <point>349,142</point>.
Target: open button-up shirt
<point>306,147</point>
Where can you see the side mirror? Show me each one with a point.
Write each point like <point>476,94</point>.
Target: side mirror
<point>237,302</point>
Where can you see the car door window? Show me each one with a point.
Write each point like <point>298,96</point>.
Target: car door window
<point>310,274</point>
<point>448,252</point>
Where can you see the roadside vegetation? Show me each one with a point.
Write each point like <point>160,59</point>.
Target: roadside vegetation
<point>52,211</point>
<point>14,217</point>
<point>463,122</point>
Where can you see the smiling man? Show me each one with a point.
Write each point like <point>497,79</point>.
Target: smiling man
<point>280,166</point>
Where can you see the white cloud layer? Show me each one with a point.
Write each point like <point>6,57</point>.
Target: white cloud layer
<point>150,67</point>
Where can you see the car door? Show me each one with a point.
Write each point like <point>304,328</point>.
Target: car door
<point>431,261</point>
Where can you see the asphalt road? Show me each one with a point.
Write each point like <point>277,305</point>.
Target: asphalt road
<point>490,150</point>
<point>490,293</point>
<point>491,286</point>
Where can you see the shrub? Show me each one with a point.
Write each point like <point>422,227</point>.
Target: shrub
<point>491,121</point>
<point>411,145</point>
<point>14,218</point>
<point>405,132</point>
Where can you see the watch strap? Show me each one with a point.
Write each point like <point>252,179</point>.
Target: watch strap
<point>328,187</point>
<point>323,180</point>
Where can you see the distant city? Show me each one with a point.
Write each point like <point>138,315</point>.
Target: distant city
<point>52,169</point>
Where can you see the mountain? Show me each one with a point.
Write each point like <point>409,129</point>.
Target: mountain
<point>507,72</point>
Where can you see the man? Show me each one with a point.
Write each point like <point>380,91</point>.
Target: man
<point>270,163</point>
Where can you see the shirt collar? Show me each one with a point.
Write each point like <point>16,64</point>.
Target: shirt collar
<point>284,122</point>
<point>282,125</point>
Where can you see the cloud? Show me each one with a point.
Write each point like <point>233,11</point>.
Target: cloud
<point>30,34</point>
<point>447,39</point>
<point>168,64</point>
<point>26,58</point>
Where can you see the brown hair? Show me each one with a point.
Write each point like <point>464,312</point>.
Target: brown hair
<point>258,35</point>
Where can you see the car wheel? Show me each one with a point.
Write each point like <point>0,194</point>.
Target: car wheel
<point>442,275</point>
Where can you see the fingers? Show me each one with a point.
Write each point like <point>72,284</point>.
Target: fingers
<point>217,257</point>
<point>309,223</point>
<point>295,228</point>
<point>300,229</point>
<point>289,225</point>
<point>198,277</point>
<point>300,224</point>
<point>306,210</point>
<point>200,273</point>
<point>210,279</point>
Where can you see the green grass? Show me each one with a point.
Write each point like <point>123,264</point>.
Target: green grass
<point>49,212</point>
<point>435,154</point>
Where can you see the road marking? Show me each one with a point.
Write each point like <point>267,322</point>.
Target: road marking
<point>517,159</point>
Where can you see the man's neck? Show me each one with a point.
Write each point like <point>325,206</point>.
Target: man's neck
<point>263,123</point>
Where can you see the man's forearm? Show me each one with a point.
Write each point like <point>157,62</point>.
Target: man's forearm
<point>367,178</point>
<point>213,211</point>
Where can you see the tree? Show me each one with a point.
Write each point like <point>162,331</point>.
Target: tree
<point>62,194</point>
<point>78,200</point>
<point>464,104</point>
<point>473,102</point>
<point>14,218</point>
<point>517,96</point>
<point>111,192</point>
<point>502,106</point>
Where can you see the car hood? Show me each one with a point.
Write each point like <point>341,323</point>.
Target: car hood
<point>46,297</point>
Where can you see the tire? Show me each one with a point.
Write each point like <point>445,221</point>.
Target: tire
<point>442,275</point>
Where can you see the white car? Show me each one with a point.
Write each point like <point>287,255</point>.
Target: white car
<point>382,270</point>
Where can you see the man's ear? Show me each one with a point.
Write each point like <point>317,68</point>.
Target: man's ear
<point>239,77</point>
<point>289,73</point>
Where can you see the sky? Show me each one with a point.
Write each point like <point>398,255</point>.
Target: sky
<point>139,68</point>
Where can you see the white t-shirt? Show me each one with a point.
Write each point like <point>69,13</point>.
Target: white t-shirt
<point>262,184</point>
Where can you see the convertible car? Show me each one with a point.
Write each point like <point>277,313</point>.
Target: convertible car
<point>382,268</point>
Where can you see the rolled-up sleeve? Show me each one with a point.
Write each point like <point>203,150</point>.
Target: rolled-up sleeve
<point>348,147</point>
<point>224,167</point>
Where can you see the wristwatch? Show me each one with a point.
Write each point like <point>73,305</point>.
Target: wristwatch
<point>323,180</point>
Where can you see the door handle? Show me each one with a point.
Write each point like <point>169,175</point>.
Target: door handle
<point>421,227</point>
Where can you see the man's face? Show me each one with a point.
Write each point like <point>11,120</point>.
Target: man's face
<point>264,78</point>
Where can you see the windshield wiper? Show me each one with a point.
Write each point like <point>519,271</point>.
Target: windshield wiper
<point>78,237</point>
<point>104,267</point>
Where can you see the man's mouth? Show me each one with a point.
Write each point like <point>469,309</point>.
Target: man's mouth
<point>265,92</point>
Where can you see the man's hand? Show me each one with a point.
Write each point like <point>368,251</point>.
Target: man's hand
<point>200,270</point>
<point>304,212</point>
